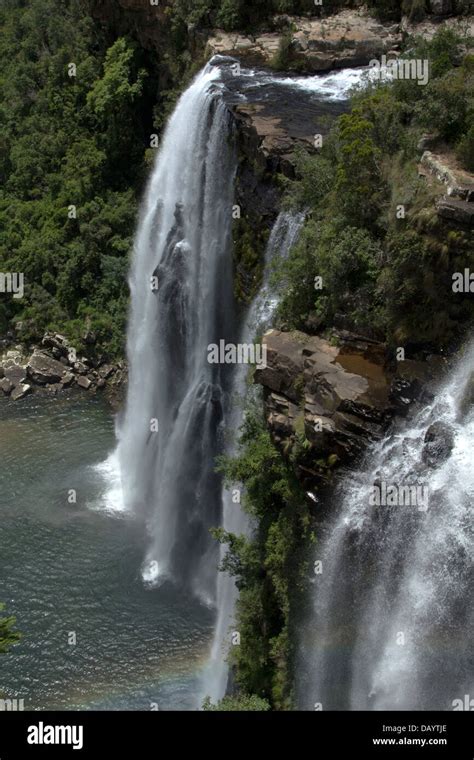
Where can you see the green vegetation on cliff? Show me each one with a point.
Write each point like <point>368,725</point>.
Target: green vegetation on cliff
<point>270,567</point>
<point>373,235</point>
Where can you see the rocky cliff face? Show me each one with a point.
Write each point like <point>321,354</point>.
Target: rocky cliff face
<point>326,400</point>
<point>348,38</point>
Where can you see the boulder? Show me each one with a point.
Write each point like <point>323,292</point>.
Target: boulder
<point>43,369</point>
<point>80,367</point>
<point>57,343</point>
<point>67,379</point>
<point>106,371</point>
<point>456,211</point>
<point>83,382</point>
<point>20,391</point>
<point>438,444</point>
<point>15,373</point>
<point>6,385</point>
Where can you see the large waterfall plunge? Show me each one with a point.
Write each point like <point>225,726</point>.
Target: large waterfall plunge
<point>182,301</point>
<point>393,614</point>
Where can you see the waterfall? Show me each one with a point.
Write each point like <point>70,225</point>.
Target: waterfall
<point>284,234</point>
<point>393,612</point>
<point>181,301</point>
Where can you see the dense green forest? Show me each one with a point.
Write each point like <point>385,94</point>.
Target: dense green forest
<point>76,119</point>
<point>75,102</point>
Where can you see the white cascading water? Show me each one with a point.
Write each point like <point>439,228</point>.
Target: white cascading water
<point>283,236</point>
<point>181,302</point>
<point>183,240</point>
<point>393,606</point>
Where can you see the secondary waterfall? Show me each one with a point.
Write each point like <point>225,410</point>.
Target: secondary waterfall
<point>182,301</point>
<point>393,613</point>
<point>283,236</point>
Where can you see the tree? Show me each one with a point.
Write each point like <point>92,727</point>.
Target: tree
<point>121,83</point>
<point>358,176</point>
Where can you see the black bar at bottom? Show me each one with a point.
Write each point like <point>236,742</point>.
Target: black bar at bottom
<point>322,734</point>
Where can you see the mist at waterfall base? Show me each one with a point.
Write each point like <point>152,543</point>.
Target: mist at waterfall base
<point>392,610</point>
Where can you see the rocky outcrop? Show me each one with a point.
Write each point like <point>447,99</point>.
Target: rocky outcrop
<point>459,182</point>
<point>349,38</point>
<point>55,366</point>
<point>457,205</point>
<point>466,402</point>
<point>457,212</point>
<point>325,401</point>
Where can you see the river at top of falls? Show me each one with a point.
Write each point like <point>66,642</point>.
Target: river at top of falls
<point>392,612</point>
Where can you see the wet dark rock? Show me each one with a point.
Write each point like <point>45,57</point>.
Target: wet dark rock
<point>438,444</point>
<point>57,343</point>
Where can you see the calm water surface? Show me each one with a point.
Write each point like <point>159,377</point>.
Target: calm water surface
<point>70,568</point>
